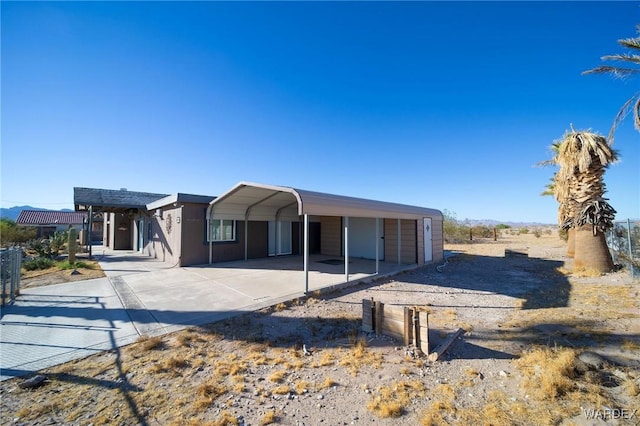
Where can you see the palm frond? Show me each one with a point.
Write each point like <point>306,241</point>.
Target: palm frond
<point>633,103</point>
<point>630,43</point>
<point>614,71</point>
<point>624,57</point>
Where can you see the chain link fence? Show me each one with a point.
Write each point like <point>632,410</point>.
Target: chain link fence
<point>624,242</point>
<point>10,260</point>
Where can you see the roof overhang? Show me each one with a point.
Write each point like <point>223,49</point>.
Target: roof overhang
<point>179,198</point>
<point>253,201</point>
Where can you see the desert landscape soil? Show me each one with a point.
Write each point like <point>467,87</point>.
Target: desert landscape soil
<point>542,346</point>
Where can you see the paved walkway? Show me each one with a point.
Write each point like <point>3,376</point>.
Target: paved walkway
<point>54,324</point>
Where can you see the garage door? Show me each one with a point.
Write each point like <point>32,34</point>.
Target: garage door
<point>362,238</point>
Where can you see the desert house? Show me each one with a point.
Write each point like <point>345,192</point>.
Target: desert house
<point>252,221</point>
<point>47,222</point>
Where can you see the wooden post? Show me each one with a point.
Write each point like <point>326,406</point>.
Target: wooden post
<point>470,235</point>
<point>422,332</point>
<point>379,315</point>
<point>368,315</point>
<point>444,346</point>
<point>495,234</point>
<point>408,326</point>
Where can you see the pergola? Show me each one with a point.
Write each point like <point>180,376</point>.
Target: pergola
<point>258,202</point>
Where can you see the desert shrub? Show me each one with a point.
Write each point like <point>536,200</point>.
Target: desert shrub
<point>502,226</point>
<point>13,234</point>
<point>454,231</point>
<point>563,234</point>
<point>482,231</point>
<point>523,231</point>
<point>38,263</point>
<point>48,247</point>
<point>57,242</point>
<point>537,232</point>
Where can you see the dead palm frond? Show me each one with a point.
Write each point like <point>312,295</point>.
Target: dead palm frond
<point>583,157</point>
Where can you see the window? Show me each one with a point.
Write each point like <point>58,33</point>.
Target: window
<point>223,230</point>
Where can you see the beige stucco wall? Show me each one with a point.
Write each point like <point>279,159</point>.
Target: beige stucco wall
<point>166,231</point>
<point>408,242</point>
<point>437,239</point>
<point>330,235</point>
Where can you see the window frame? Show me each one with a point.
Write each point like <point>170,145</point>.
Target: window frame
<point>221,223</point>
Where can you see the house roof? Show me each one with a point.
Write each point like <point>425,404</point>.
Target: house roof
<point>268,202</point>
<point>112,200</point>
<point>180,198</point>
<point>47,217</point>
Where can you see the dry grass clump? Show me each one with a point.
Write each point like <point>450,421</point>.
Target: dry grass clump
<point>225,419</point>
<point>359,356</point>
<point>548,373</point>
<point>630,345</point>
<point>327,359</point>
<point>281,390</point>
<point>442,408</point>
<point>146,343</point>
<point>209,392</point>
<point>269,417</point>
<point>277,376</point>
<point>391,400</point>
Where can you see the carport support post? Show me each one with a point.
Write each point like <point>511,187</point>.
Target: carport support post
<point>399,241</point>
<point>346,248</point>
<point>89,231</point>
<point>377,245</point>
<point>306,253</point>
<point>246,239</point>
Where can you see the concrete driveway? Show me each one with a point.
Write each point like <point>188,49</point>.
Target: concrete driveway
<point>51,325</point>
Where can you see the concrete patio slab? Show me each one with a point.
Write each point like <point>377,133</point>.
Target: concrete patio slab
<point>143,296</point>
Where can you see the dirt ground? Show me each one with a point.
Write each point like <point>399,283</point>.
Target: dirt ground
<point>55,276</point>
<point>542,346</point>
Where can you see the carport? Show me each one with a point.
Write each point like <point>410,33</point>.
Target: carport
<point>409,235</point>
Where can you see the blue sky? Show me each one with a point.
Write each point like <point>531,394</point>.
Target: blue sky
<point>437,104</point>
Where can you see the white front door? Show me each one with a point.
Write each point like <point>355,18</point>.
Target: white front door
<point>279,238</point>
<point>428,244</point>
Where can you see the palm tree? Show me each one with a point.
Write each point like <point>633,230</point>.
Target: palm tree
<point>583,158</point>
<point>566,204</point>
<point>633,59</point>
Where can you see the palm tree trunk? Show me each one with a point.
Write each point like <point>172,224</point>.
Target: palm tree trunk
<point>591,251</point>
<point>571,242</point>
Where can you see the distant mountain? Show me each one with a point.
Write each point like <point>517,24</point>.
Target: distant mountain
<point>13,212</point>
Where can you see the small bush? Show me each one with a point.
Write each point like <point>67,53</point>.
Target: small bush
<point>38,263</point>
<point>64,265</point>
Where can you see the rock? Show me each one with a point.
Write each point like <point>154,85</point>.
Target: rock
<point>33,382</point>
<point>593,359</point>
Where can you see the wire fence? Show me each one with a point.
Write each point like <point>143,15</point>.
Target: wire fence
<point>10,260</point>
<point>624,242</point>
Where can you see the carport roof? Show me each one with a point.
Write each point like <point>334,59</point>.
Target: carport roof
<point>112,200</point>
<point>261,202</point>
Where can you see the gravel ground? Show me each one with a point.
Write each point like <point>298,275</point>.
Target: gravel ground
<point>254,370</point>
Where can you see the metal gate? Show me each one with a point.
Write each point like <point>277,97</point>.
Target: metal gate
<point>624,243</point>
<point>10,273</point>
